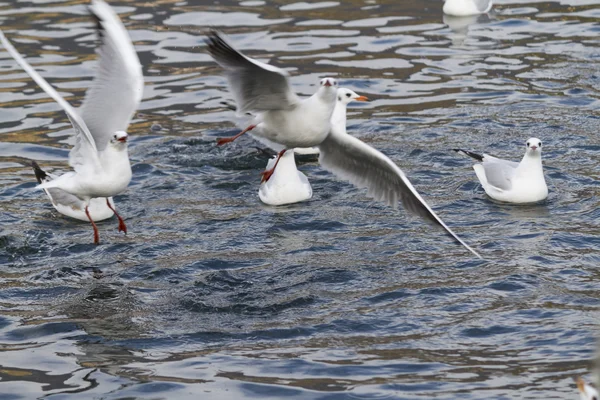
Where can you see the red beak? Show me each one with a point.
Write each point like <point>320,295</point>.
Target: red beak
<point>533,147</point>
<point>327,83</point>
<point>123,139</point>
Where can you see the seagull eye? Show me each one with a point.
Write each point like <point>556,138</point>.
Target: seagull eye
<point>540,145</point>
<point>115,136</point>
<point>348,94</point>
<point>334,83</point>
<point>527,144</point>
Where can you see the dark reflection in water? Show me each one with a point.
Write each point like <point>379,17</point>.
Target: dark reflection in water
<point>214,294</point>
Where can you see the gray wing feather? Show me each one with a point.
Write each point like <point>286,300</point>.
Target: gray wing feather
<point>118,85</point>
<point>499,173</point>
<point>256,86</point>
<point>362,165</point>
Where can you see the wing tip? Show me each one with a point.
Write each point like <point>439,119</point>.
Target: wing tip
<point>40,174</point>
<point>471,154</point>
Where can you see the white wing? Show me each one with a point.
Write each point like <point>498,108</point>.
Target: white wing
<point>256,86</point>
<point>84,155</point>
<point>363,166</point>
<point>119,84</point>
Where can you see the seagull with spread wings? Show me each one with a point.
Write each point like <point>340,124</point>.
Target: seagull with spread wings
<point>99,158</point>
<point>288,122</point>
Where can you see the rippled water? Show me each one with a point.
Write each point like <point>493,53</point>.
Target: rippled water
<point>214,295</point>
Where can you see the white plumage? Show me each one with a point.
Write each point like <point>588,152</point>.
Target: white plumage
<point>509,181</point>
<point>99,157</point>
<point>290,122</point>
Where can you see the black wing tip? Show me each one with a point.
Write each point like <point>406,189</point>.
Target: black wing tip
<point>40,175</point>
<point>476,156</point>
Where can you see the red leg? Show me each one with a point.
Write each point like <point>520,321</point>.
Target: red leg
<point>266,175</point>
<point>96,236</point>
<point>221,142</point>
<point>122,227</point>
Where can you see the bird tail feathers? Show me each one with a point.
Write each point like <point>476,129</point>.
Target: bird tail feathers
<point>476,156</point>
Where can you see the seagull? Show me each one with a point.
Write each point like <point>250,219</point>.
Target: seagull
<point>464,8</point>
<point>282,119</point>
<point>586,391</point>
<point>287,185</point>
<point>291,122</point>
<point>99,158</point>
<point>344,97</point>
<point>509,181</point>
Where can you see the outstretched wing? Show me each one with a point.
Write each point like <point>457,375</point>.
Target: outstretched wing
<point>256,86</point>
<point>351,159</point>
<point>118,85</point>
<point>84,155</point>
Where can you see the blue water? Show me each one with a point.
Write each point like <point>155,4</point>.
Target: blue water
<point>215,295</point>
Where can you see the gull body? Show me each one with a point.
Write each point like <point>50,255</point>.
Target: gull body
<point>287,185</point>
<point>99,158</point>
<point>344,97</point>
<point>72,206</point>
<point>262,88</point>
<point>509,181</point>
<point>464,8</point>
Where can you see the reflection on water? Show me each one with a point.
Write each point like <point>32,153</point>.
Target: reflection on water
<point>214,293</point>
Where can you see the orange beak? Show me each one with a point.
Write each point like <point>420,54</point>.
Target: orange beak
<point>362,98</point>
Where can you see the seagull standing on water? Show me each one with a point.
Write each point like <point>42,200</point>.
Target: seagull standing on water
<point>291,122</point>
<point>509,181</point>
<point>99,157</point>
<point>464,8</point>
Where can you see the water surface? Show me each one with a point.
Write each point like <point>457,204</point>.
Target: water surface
<point>214,295</point>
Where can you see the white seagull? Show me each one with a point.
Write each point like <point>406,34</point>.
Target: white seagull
<point>586,391</point>
<point>287,185</point>
<point>464,8</point>
<point>291,122</point>
<point>344,97</point>
<point>281,117</point>
<point>509,181</point>
<point>99,157</point>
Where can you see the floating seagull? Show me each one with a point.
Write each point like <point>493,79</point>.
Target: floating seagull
<point>287,185</point>
<point>99,157</point>
<point>344,97</point>
<point>586,391</point>
<point>291,122</point>
<point>464,8</point>
<point>509,181</point>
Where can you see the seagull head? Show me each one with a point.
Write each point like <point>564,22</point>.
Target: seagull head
<point>119,139</point>
<point>346,96</point>
<point>329,82</point>
<point>586,392</point>
<point>534,146</point>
